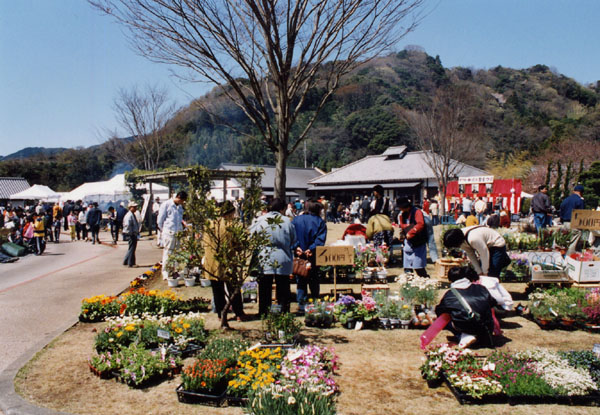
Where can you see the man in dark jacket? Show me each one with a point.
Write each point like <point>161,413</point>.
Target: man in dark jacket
<point>121,212</point>
<point>66,211</point>
<point>311,231</point>
<point>94,218</point>
<point>478,299</point>
<point>574,201</point>
<point>365,208</point>
<point>541,208</point>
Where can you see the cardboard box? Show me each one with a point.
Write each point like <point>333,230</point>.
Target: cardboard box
<point>586,271</point>
<point>551,258</point>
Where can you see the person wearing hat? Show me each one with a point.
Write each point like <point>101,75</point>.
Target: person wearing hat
<point>131,228</point>
<point>574,201</point>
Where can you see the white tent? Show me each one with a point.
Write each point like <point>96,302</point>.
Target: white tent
<point>112,190</point>
<point>37,192</point>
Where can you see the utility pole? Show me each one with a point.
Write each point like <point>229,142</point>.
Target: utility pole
<point>305,153</point>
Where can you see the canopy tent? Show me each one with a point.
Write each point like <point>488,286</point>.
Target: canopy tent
<point>37,192</point>
<point>112,190</point>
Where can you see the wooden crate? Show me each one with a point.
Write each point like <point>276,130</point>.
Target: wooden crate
<point>442,266</point>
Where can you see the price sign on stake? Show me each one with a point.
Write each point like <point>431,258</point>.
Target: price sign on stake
<point>163,334</point>
<point>585,219</point>
<point>333,256</point>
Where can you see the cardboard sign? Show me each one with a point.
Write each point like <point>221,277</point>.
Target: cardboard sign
<point>163,334</point>
<point>585,219</point>
<point>335,255</point>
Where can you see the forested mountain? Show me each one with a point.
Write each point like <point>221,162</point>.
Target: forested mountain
<point>527,114</point>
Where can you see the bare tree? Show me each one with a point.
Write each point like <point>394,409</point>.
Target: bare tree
<point>143,115</point>
<point>448,133</point>
<point>267,55</point>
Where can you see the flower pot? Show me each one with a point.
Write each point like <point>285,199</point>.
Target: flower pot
<point>404,324</point>
<point>350,324</point>
<point>190,282</point>
<point>173,282</point>
<point>205,282</point>
<point>394,323</point>
<point>544,323</point>
<point>384,323</point>
<point>435,383</point>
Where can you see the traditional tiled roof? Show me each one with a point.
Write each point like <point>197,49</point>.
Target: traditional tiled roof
<point>296,177</point>
<point>395,165</point>
<point>12,185</point>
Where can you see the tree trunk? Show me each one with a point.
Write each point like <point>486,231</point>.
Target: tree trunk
<point>280,172</point>
<point>442,207</point>
<point>224,323</point>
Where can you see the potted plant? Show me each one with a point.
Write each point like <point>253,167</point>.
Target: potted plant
<point>404,313</point>
<point>319,313</point>
<point>345,311</point>
<point>280,328</point>
<point>207,376</point>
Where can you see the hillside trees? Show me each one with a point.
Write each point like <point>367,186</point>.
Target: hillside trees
<point>267,56</point>
<point>448,132</point>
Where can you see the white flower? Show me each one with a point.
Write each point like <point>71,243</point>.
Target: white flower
<point>291,400</point>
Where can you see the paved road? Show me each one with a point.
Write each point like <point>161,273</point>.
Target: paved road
<point>40,297</point>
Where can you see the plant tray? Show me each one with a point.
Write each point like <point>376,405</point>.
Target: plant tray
<point>276,345</point>
<point>236,401</point>
<point>190,350</point>
<point>464,399</point>
<point>200,398</point>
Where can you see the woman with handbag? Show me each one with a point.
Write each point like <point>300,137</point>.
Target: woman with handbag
<point>311,231</point>
<point>412,223</point>
<point>276,260</point>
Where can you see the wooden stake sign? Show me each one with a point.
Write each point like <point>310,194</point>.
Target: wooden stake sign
<point>334,256</point>
<point>585,219</point>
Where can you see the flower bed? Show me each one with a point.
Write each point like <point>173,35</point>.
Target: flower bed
<point>143,278</point>
<point>182,330</point>
<point>261,376</point>
<point>137,302</point>
<point>537,376</point>
<point>134,365</point>
<point>349,311</point>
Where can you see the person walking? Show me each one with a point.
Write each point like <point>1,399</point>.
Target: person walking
<point>574,201</point>
<point>311,231</point>
<point>365,208</point>
<point>72,222</point>
<point>131,228</point>
<point>82,225</point>
<point>112,223</point>
<point>121,212</point>
<point>276,260</point>
<point>170,221</point>
<point>57,215</point>
<point>480,207</point>
<point>541,208</point>
<point>434,209</point>
<point>155,210</point>
<point>93,220</point>
<point>39,232</point>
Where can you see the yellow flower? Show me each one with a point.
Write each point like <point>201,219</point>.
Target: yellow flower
<point>178,330</point>
<point>130,328</point>
<point>310,300</point>
<point>119,334</point>
<point>186,325</point>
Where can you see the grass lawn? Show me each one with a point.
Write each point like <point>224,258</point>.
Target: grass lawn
<point>379,369</point>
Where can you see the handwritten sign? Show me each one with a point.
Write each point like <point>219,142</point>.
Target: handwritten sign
<point>585,219</point>
<point>335,255</point>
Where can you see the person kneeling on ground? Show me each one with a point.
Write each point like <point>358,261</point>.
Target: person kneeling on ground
<point>470,308</point>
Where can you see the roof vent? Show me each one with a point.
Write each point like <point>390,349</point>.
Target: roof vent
<point>395,153</point>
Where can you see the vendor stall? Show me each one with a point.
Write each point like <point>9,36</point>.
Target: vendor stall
<point>504,193</point>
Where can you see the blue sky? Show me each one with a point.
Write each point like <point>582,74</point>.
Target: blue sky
<point>61,62</point>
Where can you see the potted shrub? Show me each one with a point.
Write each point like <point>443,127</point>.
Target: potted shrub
<point>280,328</point>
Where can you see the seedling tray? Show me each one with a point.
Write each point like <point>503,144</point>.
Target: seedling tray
<point>210,399</point>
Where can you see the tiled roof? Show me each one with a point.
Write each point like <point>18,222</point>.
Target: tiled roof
<point>296,177</point>
<point>12,185</point>
<point>383,169</point>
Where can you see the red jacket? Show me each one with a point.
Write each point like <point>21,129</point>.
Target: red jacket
<point>414,216</point>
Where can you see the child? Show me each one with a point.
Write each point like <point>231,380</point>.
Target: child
<point>72,222</point>
<point>39,232</point>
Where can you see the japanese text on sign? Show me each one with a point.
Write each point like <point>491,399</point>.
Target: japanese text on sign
<point>335,255</point>
<point>585,219</point>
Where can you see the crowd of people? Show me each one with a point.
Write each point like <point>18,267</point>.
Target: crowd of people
<point>35,226</point>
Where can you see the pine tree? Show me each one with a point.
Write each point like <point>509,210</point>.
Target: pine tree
<point>567,184</point>
<point>556,195</point>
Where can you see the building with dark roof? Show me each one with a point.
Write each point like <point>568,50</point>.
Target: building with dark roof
<point>400,172</point>
<point>10,186</point>
<point>296,181</point>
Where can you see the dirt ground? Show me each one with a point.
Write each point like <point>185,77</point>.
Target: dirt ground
<point>379,369</point>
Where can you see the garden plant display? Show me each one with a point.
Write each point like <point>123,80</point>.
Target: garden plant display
<point>255,369</point>
<point>319,313</point>
<point>572,307</point>
<point>534,373</point>
<point>370,256</point>
<point>136,366</point>
<point>280,327</point>
<point>137,301</point>
<point>281,400</point>
<point>143,278</point>
<point>417,290</point>
<point>224,349</point>
<point>183,330</point>
<point>312,367</point>
<point>209,375</point>
<point>348,309</point>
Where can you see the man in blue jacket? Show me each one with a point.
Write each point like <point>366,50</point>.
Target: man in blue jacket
<point>94,217</point>
<point>121,212</point>
<point>574,201</point>
<point>311,231</point>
